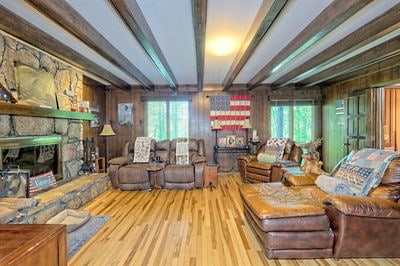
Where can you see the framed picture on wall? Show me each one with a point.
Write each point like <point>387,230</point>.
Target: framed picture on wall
<point>125,114</point>
<point>230,141</point>
<point>240,141</point>
<point>222,141</point>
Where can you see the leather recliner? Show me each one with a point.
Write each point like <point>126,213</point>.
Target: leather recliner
<point>126,175</point>
<point>251,170</point>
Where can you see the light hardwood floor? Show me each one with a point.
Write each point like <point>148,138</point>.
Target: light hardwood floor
<point>196,227</point>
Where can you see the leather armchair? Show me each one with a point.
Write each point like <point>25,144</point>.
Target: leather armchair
<point>126,175</point>
<point>251,170</point>
<point>186,176</point>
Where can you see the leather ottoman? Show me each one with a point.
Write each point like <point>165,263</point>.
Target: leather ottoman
<point>287,223</point>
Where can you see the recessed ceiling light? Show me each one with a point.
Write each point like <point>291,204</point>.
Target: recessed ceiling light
<point>222,46</point>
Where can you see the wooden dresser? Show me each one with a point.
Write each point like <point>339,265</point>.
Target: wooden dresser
<point>33,244</point>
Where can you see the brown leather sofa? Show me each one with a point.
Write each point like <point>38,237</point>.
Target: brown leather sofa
<point>126,175</point>
<point>251,170</point>
<point>305,222</point>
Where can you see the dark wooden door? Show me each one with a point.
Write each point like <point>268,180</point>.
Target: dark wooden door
<point>358,121</point>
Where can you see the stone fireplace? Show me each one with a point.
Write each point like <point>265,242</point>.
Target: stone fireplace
<point>39,136</point>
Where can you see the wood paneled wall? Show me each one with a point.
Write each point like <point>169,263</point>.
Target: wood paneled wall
<point>200,125</point>
<point>332,124</point>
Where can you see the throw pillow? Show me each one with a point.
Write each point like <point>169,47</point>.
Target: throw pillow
<point>277,144</point>
<point>333,185</point>
<point>41,182</point>
<point>355,176</point>
<point>266,158</point>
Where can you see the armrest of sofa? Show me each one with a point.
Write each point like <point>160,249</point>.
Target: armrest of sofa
<point>247,158</point>
<point>121,161</point>
<point>300,180</point>
<point>199,159</point>
<point>113,165</point>
<point>364,206</point>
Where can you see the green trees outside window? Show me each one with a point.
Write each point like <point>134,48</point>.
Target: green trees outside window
<point>167,119</point>
<point>293,120</point>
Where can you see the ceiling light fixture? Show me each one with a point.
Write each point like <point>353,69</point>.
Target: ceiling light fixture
<point>222,46</point>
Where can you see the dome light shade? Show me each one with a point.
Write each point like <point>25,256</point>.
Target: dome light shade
<point>222,46</point>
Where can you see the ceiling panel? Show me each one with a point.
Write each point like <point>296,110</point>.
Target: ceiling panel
<point>115,31</point>
<point>364,16</point>
<point>25,11</point>
<point>226,18</point>
<point>296,16</point>
<point>172,26</point>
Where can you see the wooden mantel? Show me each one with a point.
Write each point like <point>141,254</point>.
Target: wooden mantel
<point>27,110</point>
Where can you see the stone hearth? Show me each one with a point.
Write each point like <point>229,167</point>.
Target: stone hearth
<point>71,195</point>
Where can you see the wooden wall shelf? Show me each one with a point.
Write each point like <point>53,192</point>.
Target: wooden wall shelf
<point>26,110</point>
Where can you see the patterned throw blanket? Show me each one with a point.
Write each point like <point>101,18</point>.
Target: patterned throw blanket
<point>142,150</point>
<point>182,151</point>
<point>377,159</point>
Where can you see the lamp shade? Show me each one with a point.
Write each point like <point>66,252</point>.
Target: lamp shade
<point>107,131</point>
<point>246,124</point>
<point>216,125</point>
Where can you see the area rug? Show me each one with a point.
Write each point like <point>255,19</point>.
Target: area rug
<point>76,239</point>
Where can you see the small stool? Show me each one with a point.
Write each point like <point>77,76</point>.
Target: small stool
<point>211,175</point>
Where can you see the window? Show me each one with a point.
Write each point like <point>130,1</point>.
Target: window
<point>167,119</point>
<point>294,119</point>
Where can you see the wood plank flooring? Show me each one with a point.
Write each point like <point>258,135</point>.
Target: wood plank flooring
<point>196,227</point>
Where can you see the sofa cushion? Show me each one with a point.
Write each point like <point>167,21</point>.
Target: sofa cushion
<point>333,185</point>
<point>266,158</point>
<point>274,200</point>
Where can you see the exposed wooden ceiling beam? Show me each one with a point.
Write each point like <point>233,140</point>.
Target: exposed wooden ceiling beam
<point>378,67</point>
<point>368,33</point>
<point>22,29</point>
<point>374,55</point>
<point>266,16</point>
<point>330,18</point>
<point>131,13</point>
<point>66,16</point>
<point>199,13</point>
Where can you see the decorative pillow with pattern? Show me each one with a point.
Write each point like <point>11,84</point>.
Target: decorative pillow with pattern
<point>355,176</point>
<point>276,146</point>
<point>332,185</point>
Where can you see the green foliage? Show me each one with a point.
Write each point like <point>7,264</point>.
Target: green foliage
<point>293,122</point>
<point>167,119</point>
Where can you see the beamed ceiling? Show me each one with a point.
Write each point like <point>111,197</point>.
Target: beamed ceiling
<point>159,44</point>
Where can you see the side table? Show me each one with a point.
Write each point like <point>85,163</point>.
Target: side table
<point>211,175</point>
<point>152,170</point>
<point>100,164</point>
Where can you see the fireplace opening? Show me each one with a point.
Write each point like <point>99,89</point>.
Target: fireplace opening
<point>39,154</point>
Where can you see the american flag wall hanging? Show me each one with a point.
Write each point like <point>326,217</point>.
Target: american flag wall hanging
<point>231,111</point>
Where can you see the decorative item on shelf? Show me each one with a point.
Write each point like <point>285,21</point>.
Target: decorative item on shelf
<point>247,126</point>
<point>231,141</point>
<point>254,140</point>
<point>107,132</point>
<point>84,107</point>
<point>6,95</point>
<point>63,102</point>
<point>216,125</point>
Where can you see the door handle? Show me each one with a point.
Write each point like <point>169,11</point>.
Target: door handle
<point>346,144</point>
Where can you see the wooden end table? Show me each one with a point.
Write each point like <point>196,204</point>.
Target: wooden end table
<point>211,175</point>
<point>152,170</point>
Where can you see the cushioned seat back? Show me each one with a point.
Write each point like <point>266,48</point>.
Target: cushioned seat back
<point>291,151</point>
<point>129,148</point>
<point>162,149</point>
<point>196,148</point>
<point>392,173</point>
